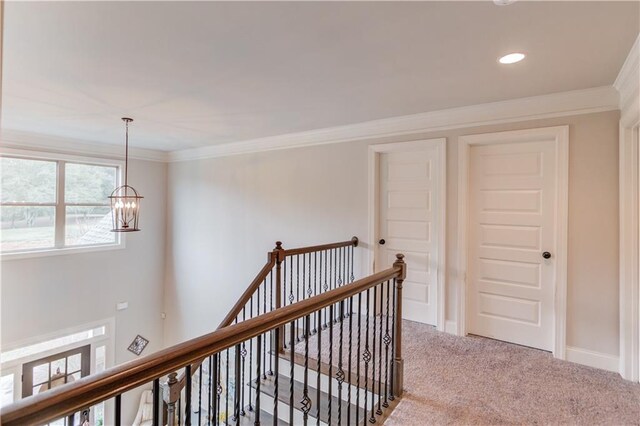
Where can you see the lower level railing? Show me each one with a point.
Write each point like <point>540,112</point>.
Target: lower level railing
<point>334,357</point>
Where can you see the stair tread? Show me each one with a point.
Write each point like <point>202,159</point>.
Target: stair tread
<point>249,419</point>
<point>267,386</point>
<point>373,384</point>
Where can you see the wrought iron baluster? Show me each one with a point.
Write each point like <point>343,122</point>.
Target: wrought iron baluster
<point>209,390</point>
<point>342,278</point>
<point>118,410</point>
<point>291,296</point>
<point>304,275</point>
<point>393,339</point>
<point>319,320</point>
<point>366,357</point>
<point>352,277</point>
<point>261,353</point>
<point>273,343</point>
<point>226,399</point>
<point>187,396</point>
<point>330,360</point>
<point>339,267</point>
<point>156,402</point>
<point>309,290</point>
<point>379,410</point>
<point>292,363</point>
<point>346,277</point>
<point>387,342</point>
<point>213,398</point>
<point>349,386</point>
<point>306,401</point>
<point>238,383</point>
<point>250,407</point>
<point>275,355</point>
<point>179,411</point>
<point>243,354</point>
<point>258,379</point>
<point>218,367</point>
<point>334,277</point>
<point>372,418</point>
<point>315,289</point>
<point>345,263</point>
<point>358,359</point>
<point>340,373</point>
<point>324,285</point>
<point>200,395</point>
<point>297,329</point>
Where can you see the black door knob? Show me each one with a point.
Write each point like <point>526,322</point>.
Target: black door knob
<point>382,241</point>
<point>546,255</point>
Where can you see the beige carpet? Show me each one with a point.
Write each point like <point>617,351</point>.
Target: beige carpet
<point>451,380</point>
<point>472,380</point>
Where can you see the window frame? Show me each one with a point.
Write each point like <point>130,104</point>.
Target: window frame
<point>61,205</point>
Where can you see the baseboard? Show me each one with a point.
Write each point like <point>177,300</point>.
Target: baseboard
<point>451,327</point>
<point>593,359</point>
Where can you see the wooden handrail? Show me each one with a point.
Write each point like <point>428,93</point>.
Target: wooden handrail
<point>91,390</point>
<point>248,293</point>
<point>302,250</point>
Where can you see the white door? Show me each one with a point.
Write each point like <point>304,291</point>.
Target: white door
<point>512,207</point>
<point>409,222</point>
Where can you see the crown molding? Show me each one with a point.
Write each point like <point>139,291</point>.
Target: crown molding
<point>575,102</point>
<point>39,142</point>
<point>597,99</point>
<point>628,86</point>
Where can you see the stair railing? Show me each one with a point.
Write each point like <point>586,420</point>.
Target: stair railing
<point>376,377</point>
<point>262,296</point>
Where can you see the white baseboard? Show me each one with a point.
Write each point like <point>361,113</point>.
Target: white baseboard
<point>451,327</point>
<point>593,359</point>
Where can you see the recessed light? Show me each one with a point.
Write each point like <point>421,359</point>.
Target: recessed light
<point>503,2</point>
<point>511,58</point>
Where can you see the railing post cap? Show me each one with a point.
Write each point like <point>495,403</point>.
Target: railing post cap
<point>400,257</point>
<point>355,241</point>
<point>278,245</point>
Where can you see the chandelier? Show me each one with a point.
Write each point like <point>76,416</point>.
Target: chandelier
<point>125,200</point>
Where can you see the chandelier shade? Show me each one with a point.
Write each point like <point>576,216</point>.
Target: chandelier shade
<point>125,200</point>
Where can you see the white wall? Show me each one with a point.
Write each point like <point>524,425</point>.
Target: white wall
<point>47,294</point>
<point>225,214</point>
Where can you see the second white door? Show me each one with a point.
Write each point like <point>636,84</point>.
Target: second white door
<point>409,222</point>
<point>512,241</point>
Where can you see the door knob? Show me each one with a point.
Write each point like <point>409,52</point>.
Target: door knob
<point>382,241</point>
<point>546,255</point>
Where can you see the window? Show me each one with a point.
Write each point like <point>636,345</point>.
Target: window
<point>55,204</point>
<point>48,345</point>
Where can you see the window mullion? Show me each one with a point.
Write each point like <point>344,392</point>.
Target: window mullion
<point>60,207</point>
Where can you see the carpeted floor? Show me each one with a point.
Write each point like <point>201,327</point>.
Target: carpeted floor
<point>451,380</point>
<point>477,381</point>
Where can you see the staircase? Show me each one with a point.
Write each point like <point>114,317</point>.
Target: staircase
<point>306,343</point>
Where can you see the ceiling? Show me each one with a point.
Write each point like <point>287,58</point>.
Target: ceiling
<point>199,74</point>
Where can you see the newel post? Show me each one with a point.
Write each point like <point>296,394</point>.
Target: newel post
<point>398,362</point>
<point>278,252</point>
<point>171,394</point>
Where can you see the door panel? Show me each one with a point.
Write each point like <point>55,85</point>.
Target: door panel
<point>512,205</point>
<point>408,185</point>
